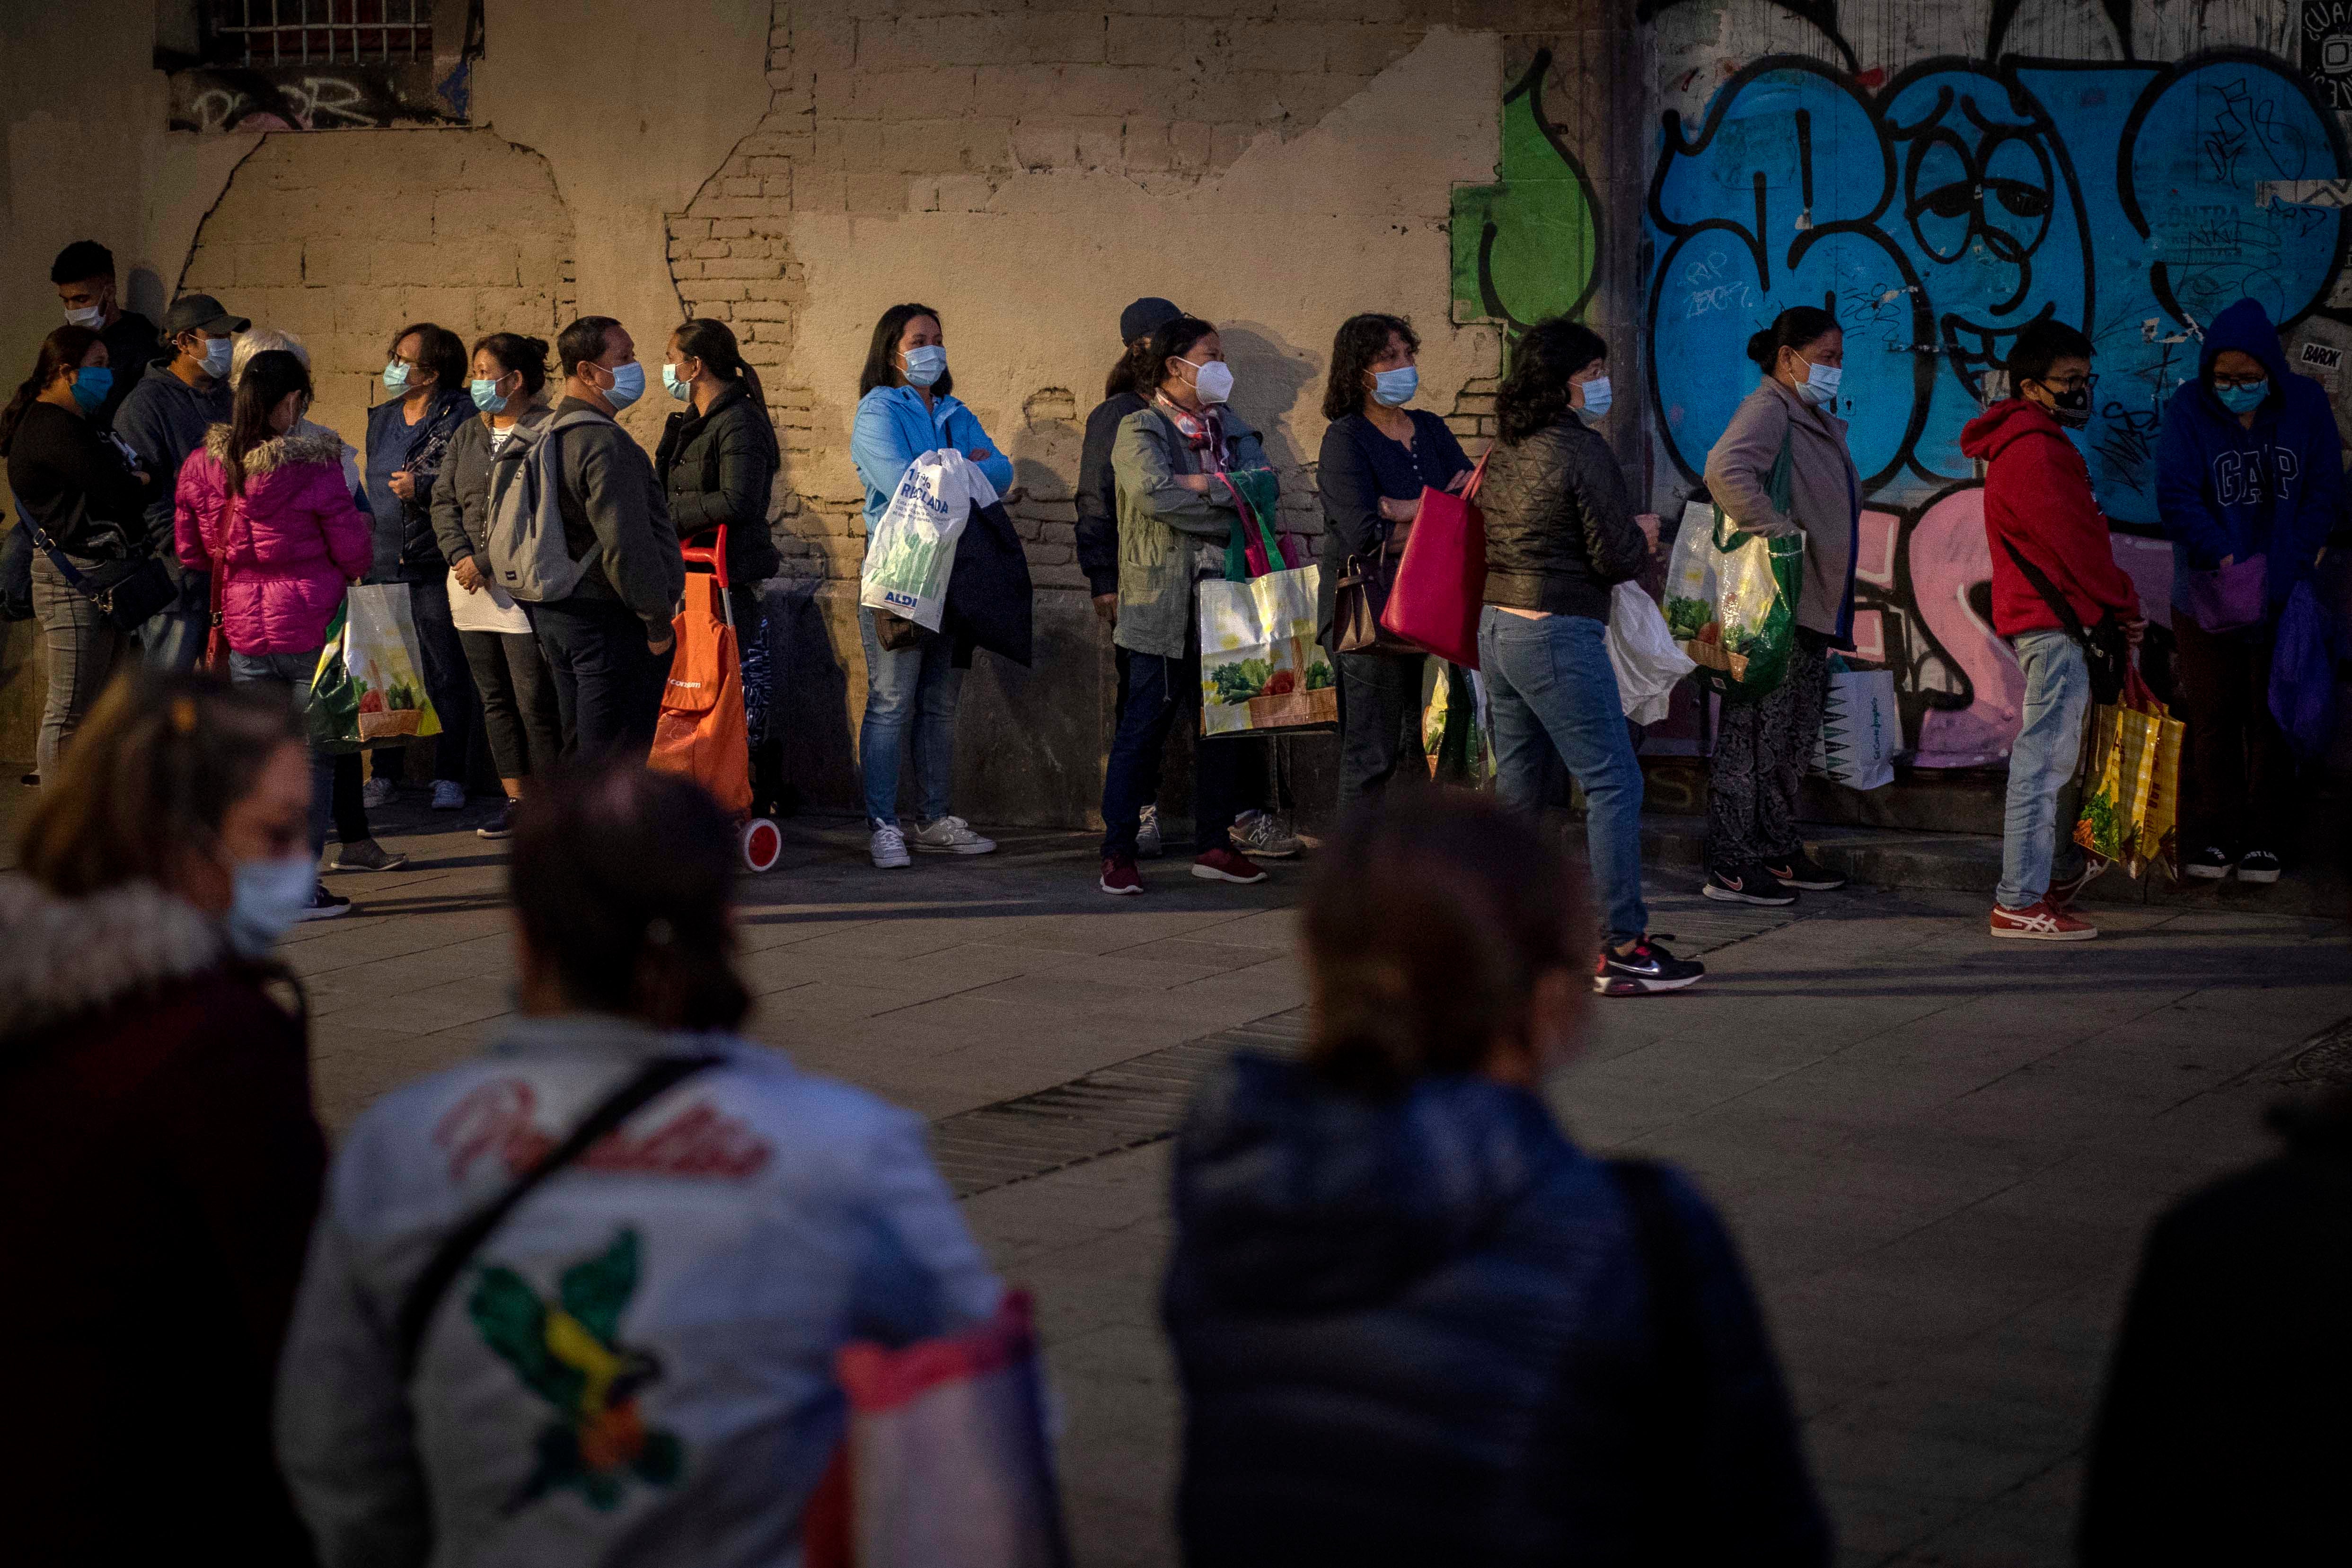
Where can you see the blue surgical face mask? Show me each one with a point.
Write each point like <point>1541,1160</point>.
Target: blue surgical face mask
<point>681,390</point>
<point>91,382</point>
<point>628,385</point>
<point>267,898</point>
<point>486,394</point>
<point>1394,388</point>
<point>1598,397</point>
<point>395,376</point>
<point>925,366</point>
<point>218,353</point>
<point>1820,384</point>
<point>2244,399</point>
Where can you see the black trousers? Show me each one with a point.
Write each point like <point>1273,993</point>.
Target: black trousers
<point>520,713</point>
<point>2237,770</point>
<point>1379,701</point>
<point>608,684</point>
<point>1158,690</point>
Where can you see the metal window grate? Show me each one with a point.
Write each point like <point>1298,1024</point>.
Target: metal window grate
<point>321,32</point>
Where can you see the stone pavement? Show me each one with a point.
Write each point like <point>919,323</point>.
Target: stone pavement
<point>1939,1152</point>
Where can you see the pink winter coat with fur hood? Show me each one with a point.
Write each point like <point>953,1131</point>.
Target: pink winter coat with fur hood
<point>295,538</point>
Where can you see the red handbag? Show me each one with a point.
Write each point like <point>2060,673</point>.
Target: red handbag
<point>1441,583</point>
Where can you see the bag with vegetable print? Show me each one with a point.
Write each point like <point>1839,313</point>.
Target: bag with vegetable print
<point>1261,667</point>
<point>366,690</point>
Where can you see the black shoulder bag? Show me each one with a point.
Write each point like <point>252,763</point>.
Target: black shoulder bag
<point>2106,647</point>
<point>127,592</point>
<point>426,1295</point>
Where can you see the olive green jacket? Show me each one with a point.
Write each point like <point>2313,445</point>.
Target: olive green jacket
<point>1168,537</point>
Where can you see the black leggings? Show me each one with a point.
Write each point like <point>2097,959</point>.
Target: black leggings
<point>518,708</point>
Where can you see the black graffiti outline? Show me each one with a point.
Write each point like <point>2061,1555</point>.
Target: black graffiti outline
<point>1490,297</point>
<point>1824,15</point>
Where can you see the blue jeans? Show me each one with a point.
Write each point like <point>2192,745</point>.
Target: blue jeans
<point>917,684</point>
<point>294,669</point>
<point>2037,837</point>
<point>1552,688</point>
<point>171,639</point>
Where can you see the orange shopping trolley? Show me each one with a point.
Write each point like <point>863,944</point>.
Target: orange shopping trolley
<point>702,732</point>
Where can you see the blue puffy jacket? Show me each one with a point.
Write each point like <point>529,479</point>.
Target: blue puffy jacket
<point>2270,489</point>
<point>1423,1331</point>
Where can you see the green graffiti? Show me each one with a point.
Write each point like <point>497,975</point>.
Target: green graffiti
<point>1527,247</point>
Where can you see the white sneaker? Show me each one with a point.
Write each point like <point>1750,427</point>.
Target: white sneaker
<point>1261,834</point>
<point>888,845</point>
<point>950,835</point>
<point>376,794</point>
<point>448,795</point>
<point>1147,835</point>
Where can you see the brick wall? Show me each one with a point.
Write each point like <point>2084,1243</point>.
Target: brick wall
<point>344,240</point>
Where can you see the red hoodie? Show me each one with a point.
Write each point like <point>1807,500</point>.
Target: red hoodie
<point>2037,496</point>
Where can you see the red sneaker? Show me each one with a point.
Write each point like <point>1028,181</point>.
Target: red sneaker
<point>1226,865</point>
<point>2063,894</point>
<point>2041,921</point>
<point>1119,876</point>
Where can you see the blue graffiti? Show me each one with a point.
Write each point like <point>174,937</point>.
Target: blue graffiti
<point>1940,214</point>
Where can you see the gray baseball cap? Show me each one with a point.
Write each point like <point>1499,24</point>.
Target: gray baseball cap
<point>201,313</point>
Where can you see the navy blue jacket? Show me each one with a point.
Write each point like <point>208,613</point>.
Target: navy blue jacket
<point>1422,1332</point>
<point>2224,488</point>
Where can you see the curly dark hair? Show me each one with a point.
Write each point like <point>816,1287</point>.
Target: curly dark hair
<point>1535,391</point>
<point>1360,341</point>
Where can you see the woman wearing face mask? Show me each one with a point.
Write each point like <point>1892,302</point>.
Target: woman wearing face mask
<point>1378,456</point>
<point>520,714</point>
<point>1763,748</point>
<point>408,438</point>
<point>1175,517</point>
<point>718,462</point>
<point>161,1140</point>
<point>904,408</point>
<point>77,486</point>
<point>272,507</point>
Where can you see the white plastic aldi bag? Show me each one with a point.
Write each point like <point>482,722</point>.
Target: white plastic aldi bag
<point>1860,730</point>
<point>910,552</point>
<point>1648,661</point>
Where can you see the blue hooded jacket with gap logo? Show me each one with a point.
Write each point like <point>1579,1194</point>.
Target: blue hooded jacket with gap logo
<point>2225,488</point>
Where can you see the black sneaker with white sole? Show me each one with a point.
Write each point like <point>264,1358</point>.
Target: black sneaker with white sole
<point>325,905</point>
<point>2258,866</point>
<point>2209,864</point>
<point>1801,870</point>
<point>1746,885</point>
<point>1643,968</point>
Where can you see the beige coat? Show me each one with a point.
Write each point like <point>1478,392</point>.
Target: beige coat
<point>1824,494</point>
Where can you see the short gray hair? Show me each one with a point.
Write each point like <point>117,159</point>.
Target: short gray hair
<point>262,339</point>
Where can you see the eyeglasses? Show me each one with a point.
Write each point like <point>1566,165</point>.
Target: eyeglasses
<point>2254,378</point>
<point>2075,384</point>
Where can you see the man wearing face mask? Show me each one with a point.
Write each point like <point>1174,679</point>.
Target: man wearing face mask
<point>2053,576</point>
<point>609,641</point>
<point>84,274</point>
<point>183,395</point>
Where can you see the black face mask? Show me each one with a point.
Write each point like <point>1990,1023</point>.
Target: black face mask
<point>2070,408</point>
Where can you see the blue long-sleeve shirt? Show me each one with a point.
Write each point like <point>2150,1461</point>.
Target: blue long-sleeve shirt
<point>894,428</point>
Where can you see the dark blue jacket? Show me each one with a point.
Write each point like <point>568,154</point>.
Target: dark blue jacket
<point>1422,1332</point>
<point>406,550</point>
<point>2223,489</point>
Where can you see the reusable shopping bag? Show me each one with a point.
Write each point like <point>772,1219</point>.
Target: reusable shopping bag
<point>1454,729</point>
<point>1261,666</point>
<point>2131,786</point>
<point>947,1460</point>
<point>1643,654</point>
<point>911,551</point>
<point>2303,674</point>
<point>700,731</point>
<point>1860,729</point>
<point>366,690</point>
<point>1731,596</point>
<point>1441,583</point>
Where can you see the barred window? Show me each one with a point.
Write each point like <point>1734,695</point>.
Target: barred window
<point>263,33</point>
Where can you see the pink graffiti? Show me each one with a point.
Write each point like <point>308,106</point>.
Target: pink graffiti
<point>1948,555</point>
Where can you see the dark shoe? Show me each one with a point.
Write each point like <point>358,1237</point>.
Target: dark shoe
<point>2209,864</point>
<point>1119,876</point>
<point>2258,866</point>
<point>1645,967</point>
<point>367,854</point>
<point>2062,893</point>
<point>1801,870</point>
<point>1226,865</point>
<point>325,906</point>
<point>502,826</point>
<point>1746,885</point>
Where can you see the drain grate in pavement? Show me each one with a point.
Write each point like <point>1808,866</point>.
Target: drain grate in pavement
<point>2325,1059</point>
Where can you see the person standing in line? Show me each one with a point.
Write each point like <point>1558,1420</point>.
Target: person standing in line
<point>1175,517</point>
<point>639,1362</point>
<point>1561,533</point>
<point>2249,465</point>
<point>408,439</point>
<point>520,714</point>
<point>160,1141</point>
<point>183,395</point>
<point>609,641</point>
<point>906,407</point>
<point>270,506</point>
<point>2039,513</point>
<point>1413,1323</point>
<point>1754,854</point>
<point>1378,456</point>
<point>84,274</point>
<point>355,848</point>
<point>75,486</point>
<point>718,461</point>
<point>1125,390</point>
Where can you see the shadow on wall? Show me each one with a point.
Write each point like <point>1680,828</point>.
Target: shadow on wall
<point>1270,372</point>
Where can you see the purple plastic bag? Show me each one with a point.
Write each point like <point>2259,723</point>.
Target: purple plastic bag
<point>2230,599</point>
<point>2303,673</point>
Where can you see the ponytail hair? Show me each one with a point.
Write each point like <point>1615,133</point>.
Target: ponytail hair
<point>61,351</point>
<point>623,878</point>
<point>516,352</point>
<point>1132,373</point>
<point>1799,327</point>
<point>714,344</point>
<point>268,376</point>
